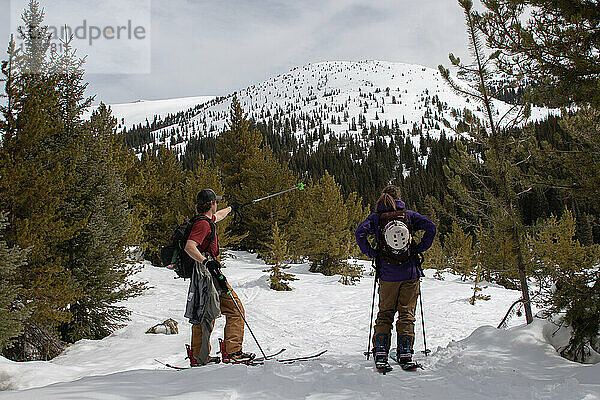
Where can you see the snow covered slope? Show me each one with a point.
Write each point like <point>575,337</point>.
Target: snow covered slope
<point>129,114</point>
<point>345,96</point>
<point>470,359</point>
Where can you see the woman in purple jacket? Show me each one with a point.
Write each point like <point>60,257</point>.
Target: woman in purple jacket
<point>398,281</point>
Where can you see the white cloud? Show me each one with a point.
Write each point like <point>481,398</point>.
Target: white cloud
<point>202,47</point>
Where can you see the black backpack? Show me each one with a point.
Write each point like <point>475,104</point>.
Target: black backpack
<point>394,237</point>
<point>174,256</point>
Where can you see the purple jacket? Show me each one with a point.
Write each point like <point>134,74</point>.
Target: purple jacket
<point>408,270</point>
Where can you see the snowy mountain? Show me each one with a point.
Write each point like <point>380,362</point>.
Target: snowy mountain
<point>344,97</point>
<point>129,114</point>
<point>470,359</point>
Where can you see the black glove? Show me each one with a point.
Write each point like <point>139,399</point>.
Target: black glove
<point>214,267</point>
<point>377,267</point>
<point>413,248</point>
<point>235,206</point>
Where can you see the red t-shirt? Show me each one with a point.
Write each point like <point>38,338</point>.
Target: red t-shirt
<point>201,235</point>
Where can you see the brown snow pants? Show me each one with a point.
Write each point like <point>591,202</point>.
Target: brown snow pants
<point>400,297</point>
<point>234,327</point>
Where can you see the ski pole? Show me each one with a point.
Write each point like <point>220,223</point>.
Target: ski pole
<point>368,353</point>
<point>237,217</point>
<point>248,326</point>
<point>426,351</point>
<point>300,187</point>
<point>420,260</point>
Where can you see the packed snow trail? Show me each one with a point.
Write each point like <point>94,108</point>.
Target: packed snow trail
<point>320,313</point>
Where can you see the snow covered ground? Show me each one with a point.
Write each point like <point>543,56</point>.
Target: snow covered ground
<point>129,114</point>
<point>470,359</point>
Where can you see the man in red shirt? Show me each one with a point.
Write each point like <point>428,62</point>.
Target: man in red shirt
<point>204,249</point>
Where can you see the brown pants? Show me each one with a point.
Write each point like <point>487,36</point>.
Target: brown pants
<point>400,297</point>
<point>234,328</point>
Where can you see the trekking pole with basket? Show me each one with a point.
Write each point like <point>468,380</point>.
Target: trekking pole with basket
<point>368,352</point>
<point>420,260</point>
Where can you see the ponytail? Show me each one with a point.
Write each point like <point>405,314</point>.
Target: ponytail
<point>388,198</point>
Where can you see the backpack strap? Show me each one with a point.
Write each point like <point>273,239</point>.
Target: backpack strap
<point>396,214</point>
<point>211,223</point>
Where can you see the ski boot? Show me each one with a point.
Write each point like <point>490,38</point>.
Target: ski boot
<point>195,362</point>
<point>380,353</point>
<point>239,357</point>
<point>405,352</point>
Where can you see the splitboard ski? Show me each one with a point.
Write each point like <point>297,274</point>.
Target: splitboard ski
<point>383,368</point>
<point>270,355</point>
<point>261,360</point>
<point>409,366</point>
<point>172,366</point>
<point>382,364</point>
<point>256,361</point>
<point>304,358</point>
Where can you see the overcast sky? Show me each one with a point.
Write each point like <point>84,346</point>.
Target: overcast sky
<point>214,47</point>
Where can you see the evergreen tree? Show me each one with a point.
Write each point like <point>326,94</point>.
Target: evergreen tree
<point>276,256</point>
<point>250,171</point>
<point>573,161</point>
<point>64,198</point>
<point>37,169</point>
<point>460,252</point>
<point>159,199</point>
<point>553,43</point>
<point>350,272</point>
<point>569,281</point>
<point>487,180</point>
<point>12,311</point>
<point>205,176</point>
<point>324,225</point>
<point>96,255</point>
<point>434,257</point>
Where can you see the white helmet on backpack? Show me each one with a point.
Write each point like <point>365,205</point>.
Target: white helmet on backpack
<point>397,236</point>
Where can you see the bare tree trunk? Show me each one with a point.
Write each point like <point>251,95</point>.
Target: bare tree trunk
<point>523,277</point>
